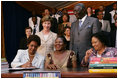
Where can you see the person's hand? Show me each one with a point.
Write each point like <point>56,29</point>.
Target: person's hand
<point>52,66</point>
<point>89,52</point>
<point>27,65</point>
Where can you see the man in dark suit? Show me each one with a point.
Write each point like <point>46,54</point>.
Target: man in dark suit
<point>105,23</point>
<point>106,14</point>
<point>81,31</point>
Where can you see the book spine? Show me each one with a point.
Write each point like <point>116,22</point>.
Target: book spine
<point>104,59</point>
<point>102,70</point>
<point>107,62</point>
<point>95,59</point>
<point>102,65</point>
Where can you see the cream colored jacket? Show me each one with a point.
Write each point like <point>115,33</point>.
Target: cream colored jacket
<point>46,45</point>
<point>22,57</point>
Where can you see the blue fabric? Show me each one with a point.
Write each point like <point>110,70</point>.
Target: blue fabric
<point>15,21</point>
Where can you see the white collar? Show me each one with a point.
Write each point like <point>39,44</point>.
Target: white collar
<point>113,11</point>
<point>83,19</point>
<point>101,20</point>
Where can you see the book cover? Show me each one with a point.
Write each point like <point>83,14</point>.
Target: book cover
<point>102,70</point>
<point>103,60</point>
<point>102,65</point>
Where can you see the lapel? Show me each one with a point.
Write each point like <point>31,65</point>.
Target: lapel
<point>26,56</point>
<point>77,25</point>
<point>42,36</point>
<point>35,59</point>
<point>49,36</point>
<point>104,23</point>
<point>86,21</point>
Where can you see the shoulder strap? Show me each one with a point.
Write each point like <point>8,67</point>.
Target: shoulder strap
<point>69,63</point>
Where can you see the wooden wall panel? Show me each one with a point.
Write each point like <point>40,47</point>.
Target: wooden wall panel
<point>2,35</point>
<point>32,5</point>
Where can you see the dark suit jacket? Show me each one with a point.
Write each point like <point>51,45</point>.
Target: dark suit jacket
<point>23,43</point>
<point>80,40</point>
<point>113,37</point>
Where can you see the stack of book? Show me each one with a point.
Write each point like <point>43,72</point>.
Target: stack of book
<point>41,74</point>
<point>4,65</point>
<point>103,65</point>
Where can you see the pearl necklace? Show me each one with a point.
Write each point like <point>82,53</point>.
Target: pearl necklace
<point>31,55</point>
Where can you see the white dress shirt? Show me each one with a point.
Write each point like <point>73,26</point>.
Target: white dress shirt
<point>83,19</point>
<point>31,24</point>
<point>56,16</point>
<point>112,15</point>
<point>22,57</point>
<point>101,21</point>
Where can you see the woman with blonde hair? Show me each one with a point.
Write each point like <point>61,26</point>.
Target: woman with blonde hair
<point>47,36</point>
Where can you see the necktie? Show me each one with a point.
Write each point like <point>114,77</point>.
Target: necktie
<point>80,23</point>
<point>100,24</point>
<point>34,31</point>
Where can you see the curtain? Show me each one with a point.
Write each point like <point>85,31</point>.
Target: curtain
<point>15,21</point>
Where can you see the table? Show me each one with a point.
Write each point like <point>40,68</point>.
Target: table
<point>81,72</point>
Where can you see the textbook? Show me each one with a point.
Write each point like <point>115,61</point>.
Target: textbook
<point>102,70</point>
<point>102,65</point>
<point>103,60</point>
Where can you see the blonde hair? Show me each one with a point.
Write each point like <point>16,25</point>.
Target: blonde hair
<point>46,18</point>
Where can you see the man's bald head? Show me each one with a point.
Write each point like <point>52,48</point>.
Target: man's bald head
<point>79,10</point>
<point>81,5</point>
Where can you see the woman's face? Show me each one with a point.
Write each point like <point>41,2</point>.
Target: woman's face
<point>67,32</point>
<point>89,10</point>
<point>59,44</point>
<point>32,47</point>
<point>28,32</point>
<point>96,43</point>
<point>46,25</point>
<point>65,18</point>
